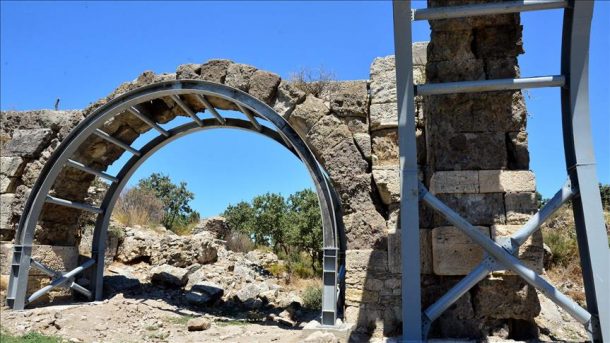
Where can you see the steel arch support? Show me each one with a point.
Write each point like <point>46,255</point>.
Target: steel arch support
<point>581,166</point>
<point>285,135</point>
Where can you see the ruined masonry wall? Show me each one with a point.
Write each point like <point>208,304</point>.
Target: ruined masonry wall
<point>472,152</point>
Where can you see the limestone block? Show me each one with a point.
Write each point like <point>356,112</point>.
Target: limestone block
<point>239,75</point>
<point>531,252</point>
<point>450,46</point>
<point>263,86</point>
<point>58,258</point>
<point>307,114</point>
<point>349,98</point>
<point>425,252</point>
<point>356,125</point>
<point>420,53</point>
<point>455,181</point>
<point>498,41</point>
<point>383,80</point>
<point>387,179</point>
<point>455,70</point>
<point>518,154</point>
<point>188,71</point>
<point>354,296</point>
<point>288,96</point>
<point>506,297</point>
<point>366,259</point>
<point>6,210</point>
<point>478,209</point>
<point>5,184</point>
<point>519,206</point>
<point>498,111</point>
<point>468,151</point>
<point>383,87</point>
<point>215,70</point>
<point>385,147</point>
<point>499,181</point>
<point>363,141</point>
<point>326,134</point>
<point>454,253</point>
<point>27,143</point>
<point>10,166</point>
<point>384,116</point>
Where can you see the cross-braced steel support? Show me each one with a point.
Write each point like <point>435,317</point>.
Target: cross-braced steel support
<point>581,188</point>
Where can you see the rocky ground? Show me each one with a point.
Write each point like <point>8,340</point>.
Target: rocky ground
<point>161,287</point>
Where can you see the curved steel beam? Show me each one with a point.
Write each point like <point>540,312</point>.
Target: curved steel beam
<point>285,135</point>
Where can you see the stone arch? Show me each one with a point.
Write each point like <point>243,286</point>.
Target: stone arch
<point>92,146</point>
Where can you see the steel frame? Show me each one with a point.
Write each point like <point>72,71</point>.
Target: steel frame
<point>284,134</point>
<point>581,187</point>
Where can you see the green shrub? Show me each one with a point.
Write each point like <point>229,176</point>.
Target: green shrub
<point>563,246</point>
<point>277,269</point>
<point>30,337</point>
<point>312,298</point>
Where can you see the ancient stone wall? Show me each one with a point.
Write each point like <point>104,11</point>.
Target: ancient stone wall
<point>472,152</point>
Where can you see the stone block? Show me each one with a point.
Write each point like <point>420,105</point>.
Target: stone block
<point>307,114</point>
<point>58,258</point>
<point>354,296</point>
<point>455,70</point>
<point>363,142</point>
<point>478,209</point>
<point>501,181</point>
<point>468,151</point>
<point>450,46</point>
<point>288,96</point>
<point>384,116</point>
<point>531,252</point>
<point>263,86</point>
<point>454,253</point>
<point>10,166</point>
<point>506,297</point>
<point>455,181</point>
<point>387,179</point>
<point>6,184</point>
<point>420,53</point>
<point>366,259</point>
<point>239,75</point>
<point>384,144</point>
<point>189,71</point>
<point>520,207</point>
<point>349,98</point>
<point>6,210</point>
<point>27,143</point>
<point>215,70</point>
<point>425,252</point>
<point>518,154</point>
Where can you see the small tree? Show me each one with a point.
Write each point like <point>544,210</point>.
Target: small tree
<point>306,224</point>
<point>175,198</point>
<point>316,82</point>
<point>604,191</point>
<point>270,220</point>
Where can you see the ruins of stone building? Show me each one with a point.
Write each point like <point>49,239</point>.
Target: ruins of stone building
<point>472,152</point>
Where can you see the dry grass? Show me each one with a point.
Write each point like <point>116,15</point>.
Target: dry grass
<point>316,82</point>
<point>138,206</point>
<point>564,269</point>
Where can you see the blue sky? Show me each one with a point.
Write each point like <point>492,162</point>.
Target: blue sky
<point>81,51</point>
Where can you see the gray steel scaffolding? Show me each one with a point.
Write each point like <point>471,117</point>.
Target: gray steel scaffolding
<point>278,129</point>
<point>581,187</point>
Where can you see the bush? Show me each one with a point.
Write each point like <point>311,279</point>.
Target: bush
<point>312,298</point>
<point>138,206</point>
<point>239,242</point>
<point>563,246</point>
<point>314,82</point>
<point>277,269</point>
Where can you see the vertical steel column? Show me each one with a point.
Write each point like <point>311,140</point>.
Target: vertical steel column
<point>329,284</point>
<point>580,163</point>
<point>409,198</point>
